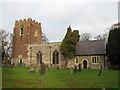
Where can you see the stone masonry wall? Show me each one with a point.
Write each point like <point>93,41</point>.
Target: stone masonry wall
<point>47,59</point>
<point>89,61</point>
<point>46,52</point>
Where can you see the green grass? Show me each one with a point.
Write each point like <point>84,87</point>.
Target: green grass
<point>19,77</point>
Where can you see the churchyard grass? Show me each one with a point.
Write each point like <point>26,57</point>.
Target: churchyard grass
<point>19,77</point>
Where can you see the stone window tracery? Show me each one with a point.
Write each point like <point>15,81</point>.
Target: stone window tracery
<point>39,57</point>
<point>55,57</point>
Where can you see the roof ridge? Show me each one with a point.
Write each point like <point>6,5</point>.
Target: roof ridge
<point>91,40</point>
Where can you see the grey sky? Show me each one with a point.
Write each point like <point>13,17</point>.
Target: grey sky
<point>56,16</point>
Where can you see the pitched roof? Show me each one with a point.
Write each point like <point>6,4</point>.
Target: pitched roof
<point>95,47</point>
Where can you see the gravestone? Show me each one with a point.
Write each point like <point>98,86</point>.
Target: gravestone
<point>42,69</point>
<point>37,68</point>
<point>71,70</point>
<point>75,69</point>
<point>32,69</point>
<point>46,67</point>
<point>57,67</point>
<point>89,67</point>
<point>100,70</point>
<point>66,64</point>
<point>79,67</point>
<point>50,68</point>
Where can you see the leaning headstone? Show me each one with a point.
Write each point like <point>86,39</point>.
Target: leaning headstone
<point>42,69</point>
<point>79,67</point>
<point>75,69</point>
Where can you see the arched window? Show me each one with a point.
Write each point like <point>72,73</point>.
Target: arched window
<point>39,57</point>
<point>55,57</point>
<point>76,60</point>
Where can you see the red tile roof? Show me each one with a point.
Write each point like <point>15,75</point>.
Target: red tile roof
<point>95,47</point>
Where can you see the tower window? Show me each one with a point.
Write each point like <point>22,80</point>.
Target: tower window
<point>21,30</point>
<point>35,34</point>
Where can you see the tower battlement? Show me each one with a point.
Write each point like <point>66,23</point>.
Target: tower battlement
<point>27,21</point>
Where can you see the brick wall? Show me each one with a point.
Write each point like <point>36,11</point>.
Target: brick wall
<point>20,43</point>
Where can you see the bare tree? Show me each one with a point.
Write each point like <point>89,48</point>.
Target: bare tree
<point>85,37</point>
<point>102,37</point>
<point>44,38</point>
<point>98,37</point>
<point>6,44</point>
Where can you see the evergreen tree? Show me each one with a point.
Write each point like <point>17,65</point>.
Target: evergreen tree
<point>113,47</point>
<point>69,43</point>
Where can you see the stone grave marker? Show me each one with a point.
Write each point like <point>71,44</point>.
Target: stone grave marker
<point>71,70</point>
<point>42,69</point>
<point>57,67</point>
<point>37,68</point>
<point>79,67</point>
<point>32,69</point>
<point>75,69</point>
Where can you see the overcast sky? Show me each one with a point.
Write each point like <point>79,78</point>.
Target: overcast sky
<point>55,16</point>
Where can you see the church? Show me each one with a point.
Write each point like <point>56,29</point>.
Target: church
<point>28,49</point>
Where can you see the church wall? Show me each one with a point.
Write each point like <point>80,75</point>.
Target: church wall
<point>45,49</point>
<point>89,61</point>
<point>46,52</point>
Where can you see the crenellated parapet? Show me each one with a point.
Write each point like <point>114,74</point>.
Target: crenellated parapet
<point>27,21</point>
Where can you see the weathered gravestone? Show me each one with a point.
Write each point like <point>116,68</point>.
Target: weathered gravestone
<point>100,70</point>
<point>57,67</point>
<point>50,67</point>
<point>37,68</point>
<point>75,69</point>
<point>31,69</point>
<point>79,67</point>
<point>71,70</point>
<point>66,64</point>
<point>42,69</point>
<point>46,67</point>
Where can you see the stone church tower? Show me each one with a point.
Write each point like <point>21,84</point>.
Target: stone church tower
<point>25,32</point>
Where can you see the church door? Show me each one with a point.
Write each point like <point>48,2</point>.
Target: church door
<point>84,64</point>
